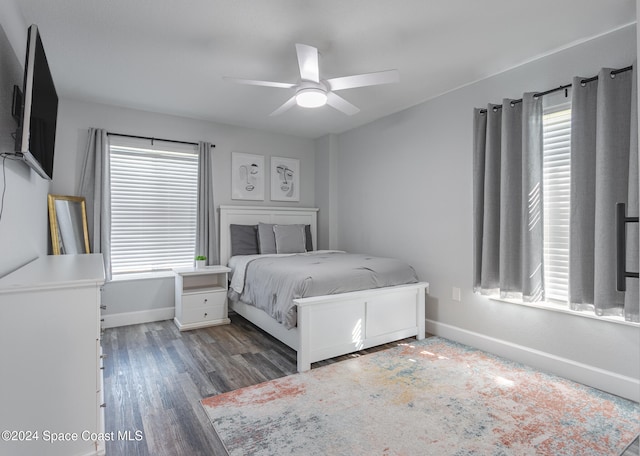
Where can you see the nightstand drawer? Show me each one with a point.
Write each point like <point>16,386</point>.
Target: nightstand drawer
<point>204,314</point>
<point>190,301</point>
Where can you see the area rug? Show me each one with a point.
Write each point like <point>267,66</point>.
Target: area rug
<point>432,397</point>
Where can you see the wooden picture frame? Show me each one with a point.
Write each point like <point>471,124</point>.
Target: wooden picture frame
<point>68,224</point>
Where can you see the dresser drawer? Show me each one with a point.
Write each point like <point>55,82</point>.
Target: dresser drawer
<point>191,301</point>
<point>204,314</point>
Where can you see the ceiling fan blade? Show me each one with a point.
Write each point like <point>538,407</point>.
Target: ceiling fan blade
<point>279,85</point>
<point>336,101</point>
<point>362,80</point>
<point>287,105</point>
<point>308,62</point>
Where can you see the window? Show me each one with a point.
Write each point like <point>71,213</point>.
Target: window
<point>556,196</point>
<point>513,264</point>
<point>154,192</point>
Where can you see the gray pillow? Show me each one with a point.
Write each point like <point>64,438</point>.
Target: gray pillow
<point>244,240</point>
<point>289,238</point>
<point>307,238</point>
<point>266,238</point>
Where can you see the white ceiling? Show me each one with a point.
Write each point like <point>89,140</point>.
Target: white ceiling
<point>169,56</point>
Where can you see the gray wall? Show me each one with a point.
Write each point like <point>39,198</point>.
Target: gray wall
<point>405,190</point>
<point>150,299</point>
<point>75,117</point>
<point>23,227</point>
<point>326,149</point>
<point>400,186</point>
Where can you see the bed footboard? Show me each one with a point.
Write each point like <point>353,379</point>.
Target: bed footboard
<point>335,325</point>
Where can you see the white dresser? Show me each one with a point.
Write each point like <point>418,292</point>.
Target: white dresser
<point>201,297</point>
<point>50,357</point>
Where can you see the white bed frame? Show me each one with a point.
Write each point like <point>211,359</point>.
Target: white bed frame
<point>336,324</point>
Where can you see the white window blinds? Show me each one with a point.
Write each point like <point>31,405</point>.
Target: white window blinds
<point>154,191</point>
<point>556,191</point>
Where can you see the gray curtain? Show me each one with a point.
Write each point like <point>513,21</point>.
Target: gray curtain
<point>94,186</point>
<point>508,223</point>
<point>206,240</point>
<point>632,296</point>
<point>604,161</point>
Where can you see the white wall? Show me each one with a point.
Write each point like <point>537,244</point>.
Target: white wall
<point>405,186</point>
<point>23,226</point>
<point>151,299</point>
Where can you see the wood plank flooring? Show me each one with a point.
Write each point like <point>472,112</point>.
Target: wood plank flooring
<point>156,375</point>
<point>634,448</point>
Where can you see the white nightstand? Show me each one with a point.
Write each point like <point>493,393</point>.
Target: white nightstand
<point>201,297</point>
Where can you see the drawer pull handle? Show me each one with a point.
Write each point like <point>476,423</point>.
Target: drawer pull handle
<point>103,405</point>
<point>103,307</point>
<point>205,314</point>
<point>205,300</point>
<point>104,356</point>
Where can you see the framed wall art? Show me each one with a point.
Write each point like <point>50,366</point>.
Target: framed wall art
<point>247,176</point>
<point>285,179</point>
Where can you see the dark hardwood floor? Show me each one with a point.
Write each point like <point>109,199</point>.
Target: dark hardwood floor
<point>156,375</point>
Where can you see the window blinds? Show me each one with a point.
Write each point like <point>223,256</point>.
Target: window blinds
<point>154,191</point>
<point>556,198</point>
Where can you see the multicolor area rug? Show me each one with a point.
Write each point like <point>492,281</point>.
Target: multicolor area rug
<point>433,397</point>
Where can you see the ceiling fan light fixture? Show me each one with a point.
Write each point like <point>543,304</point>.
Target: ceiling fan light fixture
<point>311,98</point>
<point>313,92</point>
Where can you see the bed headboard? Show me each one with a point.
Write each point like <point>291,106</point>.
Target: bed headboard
<point>251,215</point>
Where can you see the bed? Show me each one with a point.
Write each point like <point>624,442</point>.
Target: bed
<point>333,324</point>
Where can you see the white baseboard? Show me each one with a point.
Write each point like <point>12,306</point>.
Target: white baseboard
<point>134,318</point>
<point>595,377</point>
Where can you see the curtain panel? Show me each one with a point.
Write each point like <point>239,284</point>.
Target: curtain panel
<point>508,220</point>
<point>508,216</point>
<point>206,214</point>
<point>94,186</point>
<point>604,171</point>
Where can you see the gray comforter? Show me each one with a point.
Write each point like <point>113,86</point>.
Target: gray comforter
<point>272,282</point>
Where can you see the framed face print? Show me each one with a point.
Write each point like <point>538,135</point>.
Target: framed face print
<point>285,179</point>
<point>247,176</point>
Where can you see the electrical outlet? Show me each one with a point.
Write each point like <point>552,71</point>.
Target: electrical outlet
<point>455,294</point>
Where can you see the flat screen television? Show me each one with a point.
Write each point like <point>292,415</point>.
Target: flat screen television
<point>36,136</point>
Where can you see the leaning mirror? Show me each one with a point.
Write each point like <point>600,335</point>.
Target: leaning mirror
<point>68,223</point>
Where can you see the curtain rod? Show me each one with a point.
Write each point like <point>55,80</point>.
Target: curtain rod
<point>562,87</point>
<point>155,139</point>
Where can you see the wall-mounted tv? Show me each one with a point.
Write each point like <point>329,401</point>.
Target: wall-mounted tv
<point>36,136</point>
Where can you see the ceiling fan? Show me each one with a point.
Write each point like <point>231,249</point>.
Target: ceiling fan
<point>313,92</point>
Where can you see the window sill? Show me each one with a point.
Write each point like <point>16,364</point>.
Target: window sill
<point>143,276</point>
<point>563,309</point>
